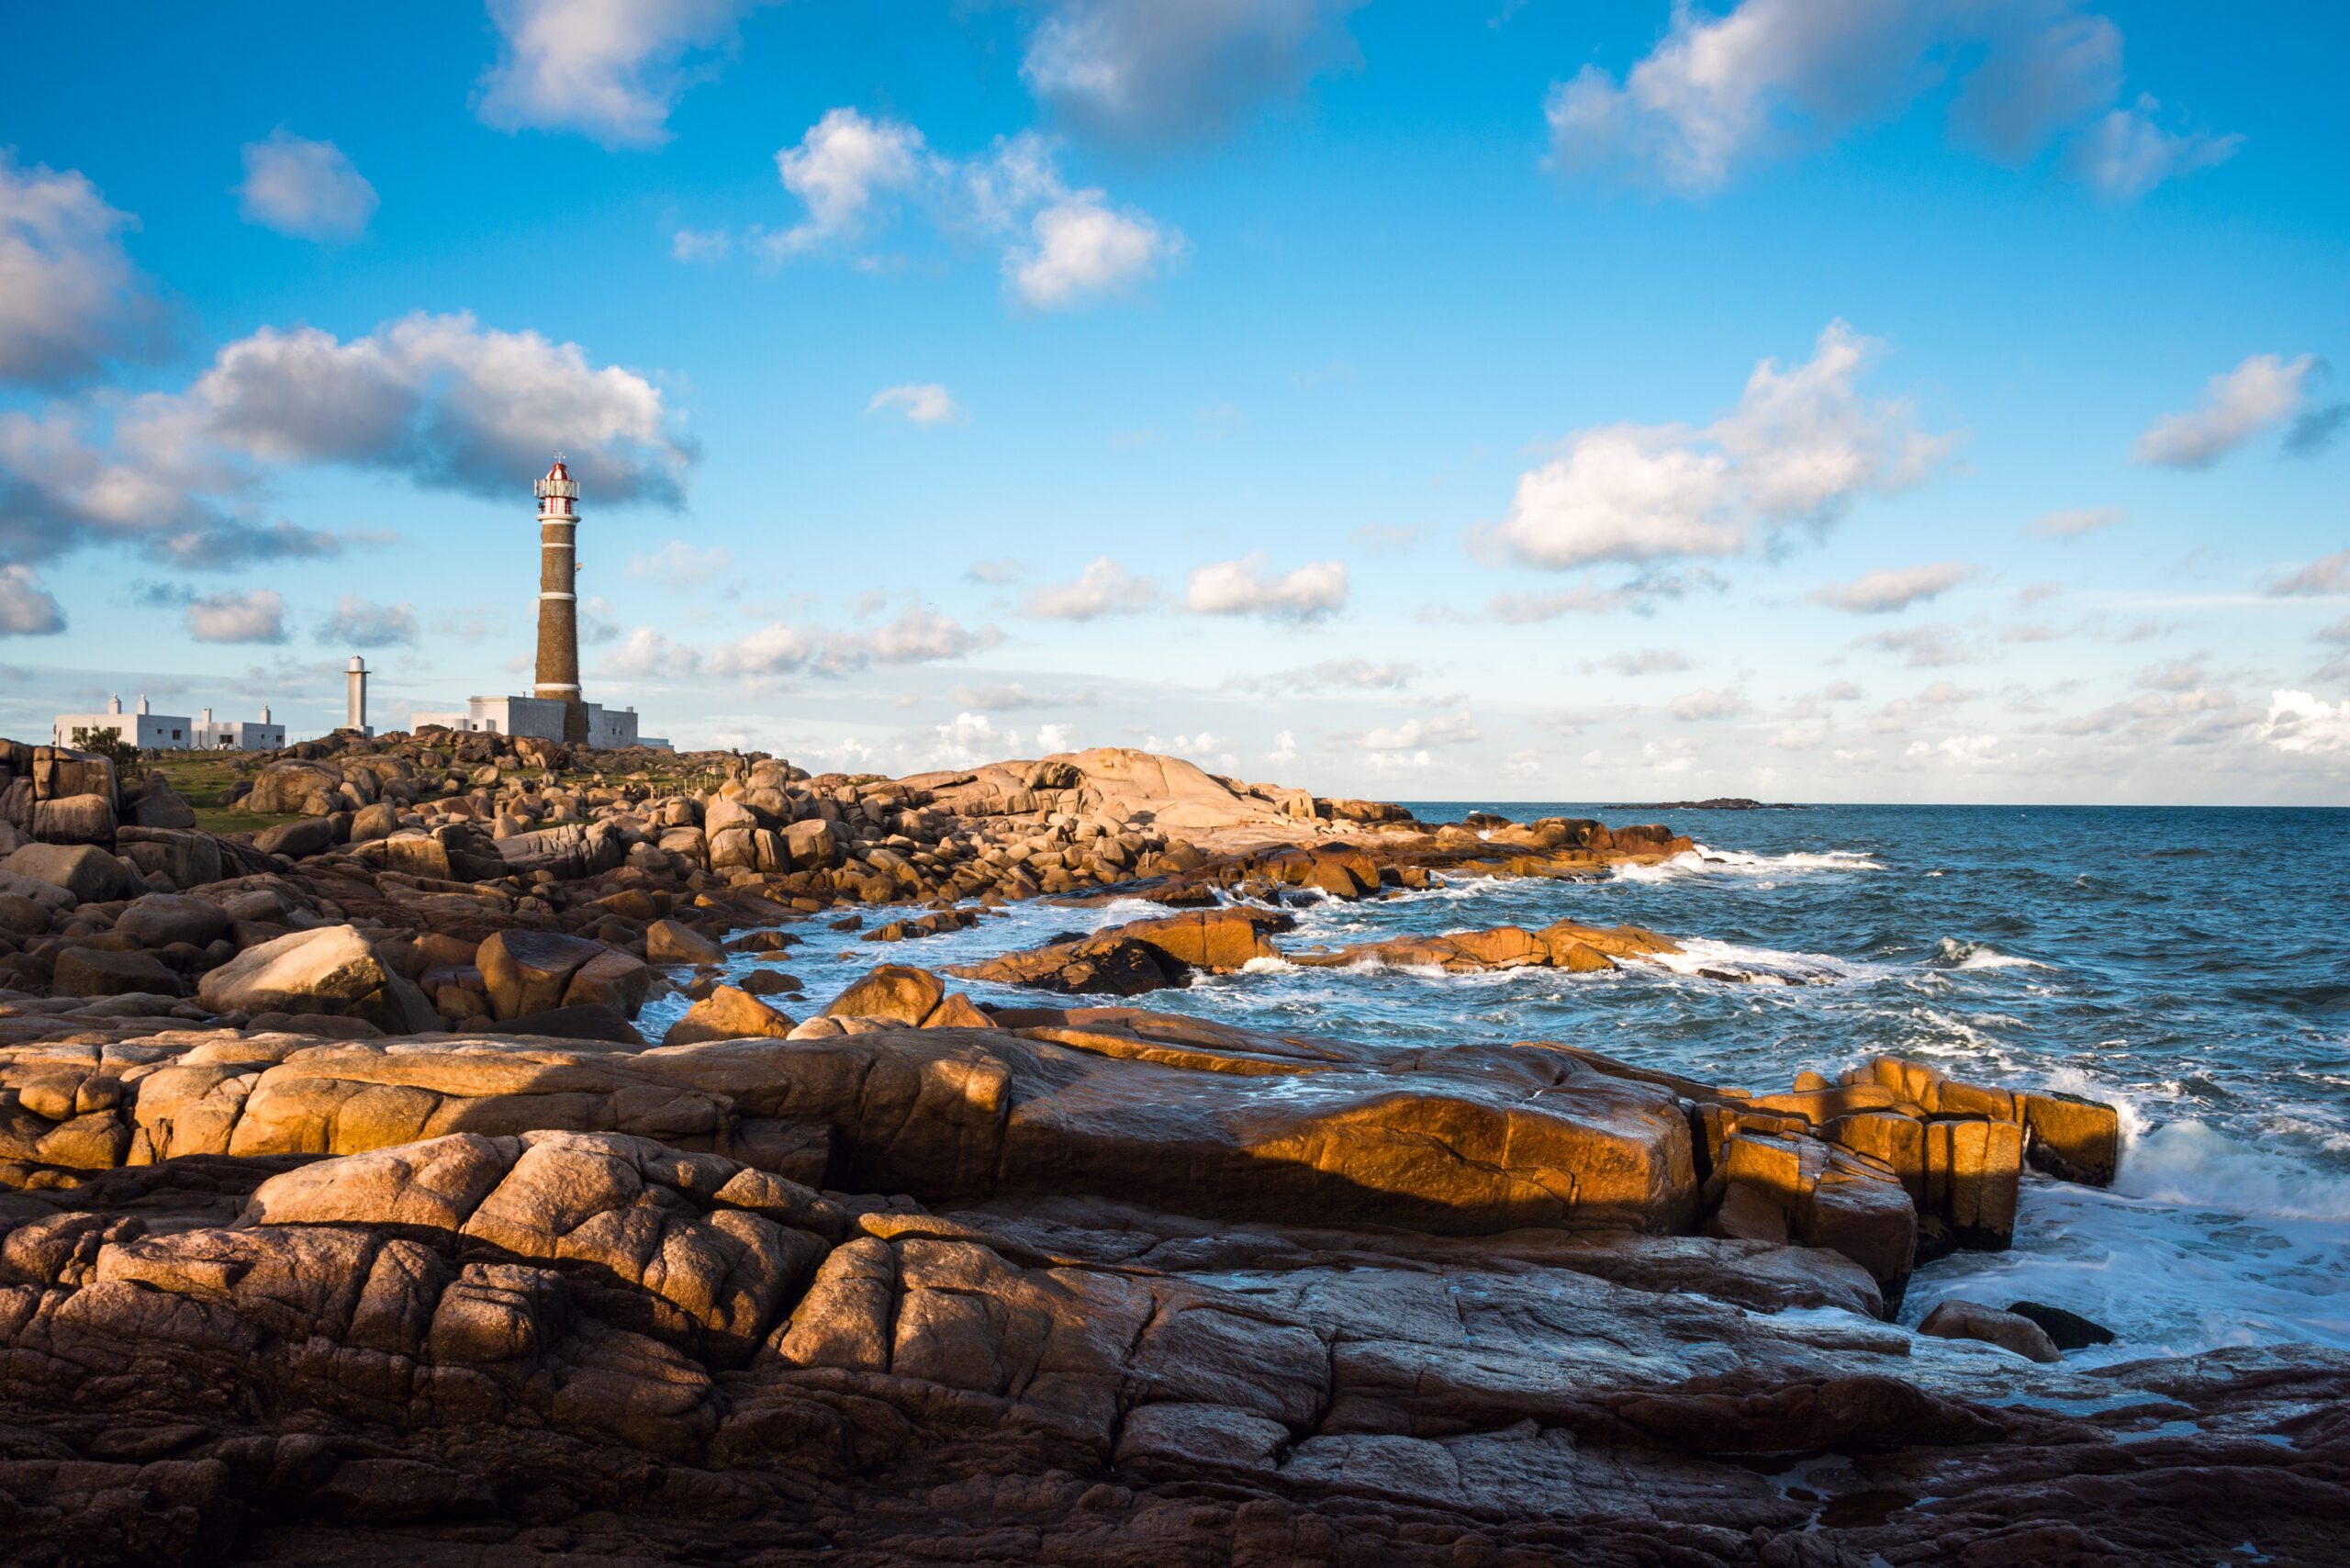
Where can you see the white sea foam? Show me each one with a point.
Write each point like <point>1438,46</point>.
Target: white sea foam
<point>1952,953</point>
<point>1705,860</point>
<point>1704,958</point>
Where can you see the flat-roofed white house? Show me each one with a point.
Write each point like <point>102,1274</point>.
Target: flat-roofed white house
<point>542,717</point>
<point>150,730</point>
<point>147,730</point>
<point>238,734</point>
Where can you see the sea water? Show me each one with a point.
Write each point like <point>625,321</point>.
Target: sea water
<point>2190,965</point>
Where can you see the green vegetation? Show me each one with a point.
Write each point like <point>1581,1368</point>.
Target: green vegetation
<point>109,744</point>
<point>205,779</point>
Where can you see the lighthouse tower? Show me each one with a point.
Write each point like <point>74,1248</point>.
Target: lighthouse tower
<point>559,677</point>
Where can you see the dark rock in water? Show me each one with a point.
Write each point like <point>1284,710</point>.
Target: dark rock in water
<point>2066,1331</point>
<point>1719,803</point>
<point>1956,1319</point>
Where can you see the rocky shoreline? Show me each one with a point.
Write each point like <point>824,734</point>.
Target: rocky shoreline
<point>346,1214</point>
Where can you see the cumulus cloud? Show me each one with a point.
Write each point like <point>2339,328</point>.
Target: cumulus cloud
<point>438,399</point>
<point>359,624</point>
<point>1137,69</point>
<point>609,68</point>
<point>2262,392</point>
<point>1886,590</point>
<point>2070,524</point>
<point>925,404</point>
<point>1062,247</point>
<point>1920,647</point>
<point>255,617</point>
<point>1693,706</point>
<point>917,635</point>
<point>1105,588</point>
<point>1417,735</point>
<point>681,566</point>
<point>28,609</point>
<point>1800,447</point>
<point>70,298</point>
<point>1080,250</point>
<point>1245,587</point>
<point>2299,722</point>
<point>1720,93</point>
<point>2327,574</point>
<point>2126,154</point>
<point>841,170</point>
<point>307,189</point>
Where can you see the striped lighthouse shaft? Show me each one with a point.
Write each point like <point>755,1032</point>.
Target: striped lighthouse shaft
<point>558,674</point>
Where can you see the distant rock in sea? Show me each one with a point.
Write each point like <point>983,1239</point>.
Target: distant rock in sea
<point>1719,803</point>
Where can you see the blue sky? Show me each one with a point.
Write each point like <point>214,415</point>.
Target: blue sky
<point>1840,400</point>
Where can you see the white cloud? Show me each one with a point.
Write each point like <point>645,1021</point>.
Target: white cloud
<point>1061,247</point>
<point>1800,447</point>
<point>1920,647</point>
<point>28,609</point>
<point>609,68</point>
<point>255,617</point>
<point>359,624</point>
<point>1647,661</point>
<point>1330,675</point>
<point>1081,252</point>
<point>1691,707</point>
<point>2327,574</point>
<point>1285,748</point>
<point>971,738</point>
<point>840,169</point>
<point>1961,751</point>
<point>307,189</point>
<point>2260,394</point>
<point>70,300</point>
<point>2068,524</point>
<point>2127,154</point>
<point>1887,589</point>
<point>1148,68</point>
<point>1415,734</point>
<point>1051,738</point>
<point>1244,588</point>
<point>918,636</point>
<point>928,403</point>
<point>1722,92</point>
<point>1105,588</point>
<point>700,245</point>
<point>681,566</point>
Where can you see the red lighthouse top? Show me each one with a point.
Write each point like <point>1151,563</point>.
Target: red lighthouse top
<point>557,491</point>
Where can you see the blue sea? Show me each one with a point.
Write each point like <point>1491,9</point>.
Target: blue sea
<point>2191,966</point>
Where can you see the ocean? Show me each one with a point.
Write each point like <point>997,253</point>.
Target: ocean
<point>2191,966</point>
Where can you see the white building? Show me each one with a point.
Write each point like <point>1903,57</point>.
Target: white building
<point>541,718</point>
<point>150,730</point>
<point>146,730</point>
<point>237,734</point>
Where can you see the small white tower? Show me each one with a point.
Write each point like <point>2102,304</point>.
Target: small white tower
<point>356,682</point>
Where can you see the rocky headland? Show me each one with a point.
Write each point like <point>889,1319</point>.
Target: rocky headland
<point>346,1214</point>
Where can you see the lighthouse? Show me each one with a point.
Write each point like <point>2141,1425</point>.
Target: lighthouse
<point>558,678</point>
<point>554,710</point>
